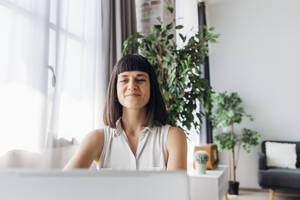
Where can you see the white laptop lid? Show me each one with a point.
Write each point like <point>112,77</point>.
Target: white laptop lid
<point>92,185</point>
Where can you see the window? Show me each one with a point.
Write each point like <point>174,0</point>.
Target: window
<point>73,55</point>
<point>48,63</point>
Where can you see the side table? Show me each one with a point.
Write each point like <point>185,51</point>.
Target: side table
<point>210,186</point>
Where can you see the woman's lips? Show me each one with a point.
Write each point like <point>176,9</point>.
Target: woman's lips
<point>133,95</point>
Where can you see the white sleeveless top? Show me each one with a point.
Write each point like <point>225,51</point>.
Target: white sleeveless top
<point>151,152</point>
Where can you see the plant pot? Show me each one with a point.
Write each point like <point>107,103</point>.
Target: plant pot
<point>233,187</point>
<point>201,168</point>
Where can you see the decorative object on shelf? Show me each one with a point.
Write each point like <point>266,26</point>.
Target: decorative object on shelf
<point>177,69</point>
<point>201,158</point>
<point>213,158</point>
<point>210,186</point>
<point>227,111</point>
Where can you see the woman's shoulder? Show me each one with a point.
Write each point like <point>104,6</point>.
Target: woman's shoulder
<point>94,138</point>
<point>90,149</point>
<point>176,140</point>
<point>176,137</point>
<point>172,131</point>
<point>177,149</point>
<point>94,142</point>
<point>176,133</point>
<point>97,133</point>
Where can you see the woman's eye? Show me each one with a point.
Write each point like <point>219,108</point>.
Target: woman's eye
<point>123,81</point>
<point>140,80</point>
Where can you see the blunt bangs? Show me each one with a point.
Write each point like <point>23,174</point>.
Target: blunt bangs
<point>134,63</point>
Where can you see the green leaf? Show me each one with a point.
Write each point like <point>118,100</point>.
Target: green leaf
<point>169,9</point>
<point>183,38</point>
<point>138,35</point>
<point>150,37</point>
<point>157,27</point>
<point>170,37</point>
<point>179,27</point>
<point>169,26</point>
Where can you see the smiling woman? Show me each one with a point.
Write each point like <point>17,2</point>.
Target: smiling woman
<point>136,135</point>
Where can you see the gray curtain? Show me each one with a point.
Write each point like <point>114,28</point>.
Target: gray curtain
<point>118,22</point>
<point>206,132</point>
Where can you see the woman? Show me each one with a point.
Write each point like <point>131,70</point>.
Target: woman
<point>136,135</point>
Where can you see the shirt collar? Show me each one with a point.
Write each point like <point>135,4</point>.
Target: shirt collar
<point>118,131</point>
<point>119,128</point>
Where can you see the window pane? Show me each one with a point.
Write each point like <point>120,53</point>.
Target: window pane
<point>35,8</point>
<point>53,11</point>
<point>23,74</point>
<point>5,21</point>
<point>52,48</point>
<point>73,16</point>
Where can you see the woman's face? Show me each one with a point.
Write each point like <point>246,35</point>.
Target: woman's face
<point>133,89</point>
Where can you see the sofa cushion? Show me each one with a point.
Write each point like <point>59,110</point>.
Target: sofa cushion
<point>279,178</point>
<point>281,155</point>
<point>263,148</point>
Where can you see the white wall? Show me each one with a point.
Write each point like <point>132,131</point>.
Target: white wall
<point>258,55</point>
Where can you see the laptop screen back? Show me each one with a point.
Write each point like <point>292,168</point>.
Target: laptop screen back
<point>93,185</point>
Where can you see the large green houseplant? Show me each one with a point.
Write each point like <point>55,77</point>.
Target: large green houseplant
<point>177,70</point>
<point>226,113</point>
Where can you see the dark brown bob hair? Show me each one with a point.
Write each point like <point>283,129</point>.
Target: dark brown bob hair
<point>156,110</point>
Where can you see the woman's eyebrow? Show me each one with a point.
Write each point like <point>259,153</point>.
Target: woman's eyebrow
<point>138,75</point>
<point>141,75</point>
<point>123,75</point>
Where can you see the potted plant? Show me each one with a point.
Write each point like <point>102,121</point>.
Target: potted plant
<point>177,70</point>
<point>201,158</point>
<point>226,113</point>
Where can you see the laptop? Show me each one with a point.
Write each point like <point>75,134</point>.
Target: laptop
<point>28,184</point>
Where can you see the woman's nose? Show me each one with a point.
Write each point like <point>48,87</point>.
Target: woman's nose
<point>132,85</point>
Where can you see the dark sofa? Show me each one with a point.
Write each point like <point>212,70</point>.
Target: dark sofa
<point>278,178</point>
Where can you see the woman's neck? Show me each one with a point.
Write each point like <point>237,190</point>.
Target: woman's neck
<point>133,121</point>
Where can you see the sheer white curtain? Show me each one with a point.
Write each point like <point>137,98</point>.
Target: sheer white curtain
<point>51,85</point>
<point>23,74</point>
<point>78,95</point>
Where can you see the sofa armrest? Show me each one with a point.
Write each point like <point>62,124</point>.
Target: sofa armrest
<point>262,160</point>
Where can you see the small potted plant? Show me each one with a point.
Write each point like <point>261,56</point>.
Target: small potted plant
<point>201,158</point>
<point>227,112</point>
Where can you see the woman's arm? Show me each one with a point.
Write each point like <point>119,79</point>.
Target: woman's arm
<point>89,150</point>
<point>177,149</point>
